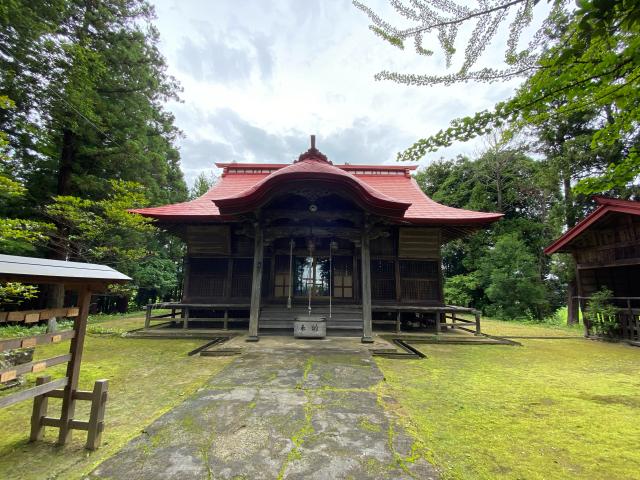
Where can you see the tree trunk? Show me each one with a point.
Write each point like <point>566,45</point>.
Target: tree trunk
<point>67,158</point>
<point>572,303</point>
<point>57,250</point>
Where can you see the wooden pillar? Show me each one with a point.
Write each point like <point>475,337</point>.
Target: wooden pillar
<point>438,320</point>
<point>40,404</point>
<point>226,319</point>
<point>367,329</point>
<point>185,317</point>
<point>478,330</point>
<point>581,302</point>
<point>256,284</point>
<point>398,317</point>
<point>96,416</point>
<point>73,367</point>
<point>186,271</point>
<point>147,318</point>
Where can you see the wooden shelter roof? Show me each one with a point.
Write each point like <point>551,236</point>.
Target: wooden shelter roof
<point>42,270</point>
<point>606,207</point>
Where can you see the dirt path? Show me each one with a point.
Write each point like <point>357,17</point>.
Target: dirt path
<point>286,414</point>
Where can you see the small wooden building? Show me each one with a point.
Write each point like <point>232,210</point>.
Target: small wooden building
<point>606,249</point>
<point>354,243</point>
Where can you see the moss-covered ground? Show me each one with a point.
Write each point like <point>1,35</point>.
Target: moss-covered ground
<point>550,409</point>
<point>146,379</point>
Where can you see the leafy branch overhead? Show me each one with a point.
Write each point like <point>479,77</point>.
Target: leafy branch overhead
<point>579,60</point>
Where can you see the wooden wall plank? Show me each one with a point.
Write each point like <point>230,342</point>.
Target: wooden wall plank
<point>419,242</point>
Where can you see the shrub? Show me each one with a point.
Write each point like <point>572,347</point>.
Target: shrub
<point>601,314</point>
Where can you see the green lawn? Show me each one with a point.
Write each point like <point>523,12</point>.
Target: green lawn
<point>551,409</point>
<point>146,378</point>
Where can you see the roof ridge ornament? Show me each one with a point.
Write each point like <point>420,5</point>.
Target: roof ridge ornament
<point>313,154</point>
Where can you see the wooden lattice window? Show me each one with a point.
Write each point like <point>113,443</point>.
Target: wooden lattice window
<point>420,280</point>
<point>207,277</point>
<point>241,277</point>
<point>343,277</point>
<point>383,280</point>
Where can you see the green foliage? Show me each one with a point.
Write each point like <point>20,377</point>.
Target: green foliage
<point>202,185</point>
<point>103,231</point>
<point>460,289</point>
<point>511,280</point>
<point>601,314</point>
<point>17,235</point>
<point>14,293</point>
<point>584,60</point>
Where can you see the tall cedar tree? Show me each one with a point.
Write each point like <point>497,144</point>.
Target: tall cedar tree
<point>89,86</point>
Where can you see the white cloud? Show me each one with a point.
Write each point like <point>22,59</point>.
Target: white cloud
<point>259,77</point>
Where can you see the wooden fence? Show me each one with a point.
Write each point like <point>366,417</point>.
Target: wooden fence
<point>64,388</point>
<point>182,312</point>
<point>442,315</point>
<point>33,316</point>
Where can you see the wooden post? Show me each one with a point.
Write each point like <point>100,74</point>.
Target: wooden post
<point>40,404</point>
<point>398,314</point>
<point>147,318</point>
<point>185,317</point>
<point>226,319</point>
<point>73,367</point>
<point>438,320</point>
<point>256,285</point>
<point>96,416</point>
<point>367,328</point>
<point>478,331</point>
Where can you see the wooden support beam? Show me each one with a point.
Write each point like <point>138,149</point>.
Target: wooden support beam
<point>32,392</point>
<point>256,284</point>
<point>73,367</point>
<point>40,405</point>
<point>35,340</point>
<point>34,367</point>
<point>367,328</point>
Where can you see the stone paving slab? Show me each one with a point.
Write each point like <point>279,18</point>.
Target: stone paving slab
<point>287,414</point>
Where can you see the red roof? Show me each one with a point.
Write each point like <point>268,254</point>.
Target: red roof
<point>605,207</point>
<point>386,190</point>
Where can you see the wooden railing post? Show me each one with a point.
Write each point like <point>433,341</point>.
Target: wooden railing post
<point>185,317</point>
<point>73,367</point>
<point>40,405</point>
<point>398,317</point>
<point>438,320</point>
<point>478,330</point>
<point>147,318</point>
<point>96,417</point>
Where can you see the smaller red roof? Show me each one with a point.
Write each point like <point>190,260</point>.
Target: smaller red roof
<point>605,207</point>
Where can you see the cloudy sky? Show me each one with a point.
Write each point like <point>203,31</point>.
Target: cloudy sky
<point>260,76</point>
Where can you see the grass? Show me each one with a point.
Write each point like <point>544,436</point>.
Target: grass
<point>146,379</point>
<point>552,409</point>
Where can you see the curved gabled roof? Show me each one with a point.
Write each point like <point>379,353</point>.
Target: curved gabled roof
<point>389,191</point>
<point>313,168</point>
<point>605,206</point>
